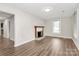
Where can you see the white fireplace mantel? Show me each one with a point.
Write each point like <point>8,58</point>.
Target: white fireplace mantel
<point>37,30</point>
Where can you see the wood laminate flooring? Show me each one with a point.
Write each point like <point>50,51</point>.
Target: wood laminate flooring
<point>6,43</point>
<point>45,47</point>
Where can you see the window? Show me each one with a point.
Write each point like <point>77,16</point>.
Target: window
<point>56,27</point>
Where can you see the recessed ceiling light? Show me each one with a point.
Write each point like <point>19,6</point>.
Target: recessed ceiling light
<point>47,9</point>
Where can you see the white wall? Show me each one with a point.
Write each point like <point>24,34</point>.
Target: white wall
<point>78,24</point>
<point>24,24</point>
<point>75,25</point>
<point>66,28</point>
<point>76,28</point>
<point>11,27</point>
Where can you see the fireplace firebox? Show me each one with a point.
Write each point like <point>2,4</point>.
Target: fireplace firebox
<point>39,34</point>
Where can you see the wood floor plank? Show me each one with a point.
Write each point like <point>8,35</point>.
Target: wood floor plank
<point>48,46</point>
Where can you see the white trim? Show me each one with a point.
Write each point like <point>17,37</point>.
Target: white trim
<point>61,36</point>
<point>76,43</point>
<point>16,45</point>
<point>66,37</point>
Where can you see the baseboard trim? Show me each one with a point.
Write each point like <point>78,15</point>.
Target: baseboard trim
<point>59,37</point>
<point>16,45</point>
<point>76,44</point>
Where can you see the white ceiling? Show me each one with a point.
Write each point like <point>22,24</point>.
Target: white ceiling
<point>36,9</point>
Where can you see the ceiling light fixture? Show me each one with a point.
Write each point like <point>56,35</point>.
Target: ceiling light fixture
<point>47,10</point>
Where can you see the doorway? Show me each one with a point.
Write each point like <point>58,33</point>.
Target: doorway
<point>2,30</point>
<point>6,30</point>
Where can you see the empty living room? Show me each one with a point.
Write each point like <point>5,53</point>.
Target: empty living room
<point>39,29</point>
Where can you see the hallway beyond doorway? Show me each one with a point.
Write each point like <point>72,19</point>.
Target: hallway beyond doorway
<point>6,43</point>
